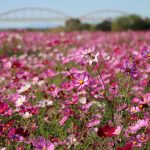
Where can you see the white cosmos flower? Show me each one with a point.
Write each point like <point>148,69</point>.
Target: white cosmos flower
<point>27,115</point>
<point>89,55</point>
<point>24,88</point>
<point>94,59</point>
<point>20,100</point>
<point>45,103</point>
<point>82,100</point>
<point>49,103</point>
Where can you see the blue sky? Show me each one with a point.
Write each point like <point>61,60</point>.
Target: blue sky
<point>78,7</point>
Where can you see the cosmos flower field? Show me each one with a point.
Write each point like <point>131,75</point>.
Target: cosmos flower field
<point>74,91</point>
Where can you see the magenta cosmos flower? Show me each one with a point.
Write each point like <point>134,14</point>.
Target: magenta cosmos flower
<point>80,79</point>
<point>3,107</point>
<point>107,131</point>
<point>42,144</point>
<point>130,68</point>
<point>146,52</point>
<point>18,134</point>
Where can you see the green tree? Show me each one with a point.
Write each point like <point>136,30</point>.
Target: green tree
<point>131,22</point>
<point>73,25</point>
<point>104,26</point>
<point>86,26</point>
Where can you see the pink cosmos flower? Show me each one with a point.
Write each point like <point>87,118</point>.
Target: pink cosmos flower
<point>117,130</point>
<point>138,125</point>
<point>94,121</point>
<point>114,88</point>
<point>86,106</point>
<point>144,82</point>
<point>80,79</point>
<point>63,120</point>
<point>135,142</point>
<point>121,106</point>
<point>142,137</point>
<point>53,90</point>
<point>7,65</point>
<point>145,99</point>
<point>135,100</point>
<point>49,73</point>
<point>41,143</point>
<point>134,109</point>
<point>67,86</point>
<point>66,114</point>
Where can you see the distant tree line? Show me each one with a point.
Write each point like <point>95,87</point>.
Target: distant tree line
<point>123,23</point>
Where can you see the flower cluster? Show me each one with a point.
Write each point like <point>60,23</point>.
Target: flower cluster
<point>58,91</point>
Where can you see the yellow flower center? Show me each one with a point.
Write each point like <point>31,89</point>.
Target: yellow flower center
<point>148,55</point>
<point>51,89</point>
<point>44,148</point>
<point>143,138</point>
<point>133,110</point>
<point>134,142</point>
<point>81,82</point>
<point>145,100</point>
<point>140,106</point>
<point>14,66</point>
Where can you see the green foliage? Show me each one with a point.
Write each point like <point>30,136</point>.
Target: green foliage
<point>123,23</point>
<point>86,26</point>
<point>73,25</point>
<point>131,22</point>
<point>104,26</point>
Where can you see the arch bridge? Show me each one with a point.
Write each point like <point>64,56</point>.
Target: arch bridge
<point>33,14</point>
<point>101,15</point>
<point>37,14</point>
